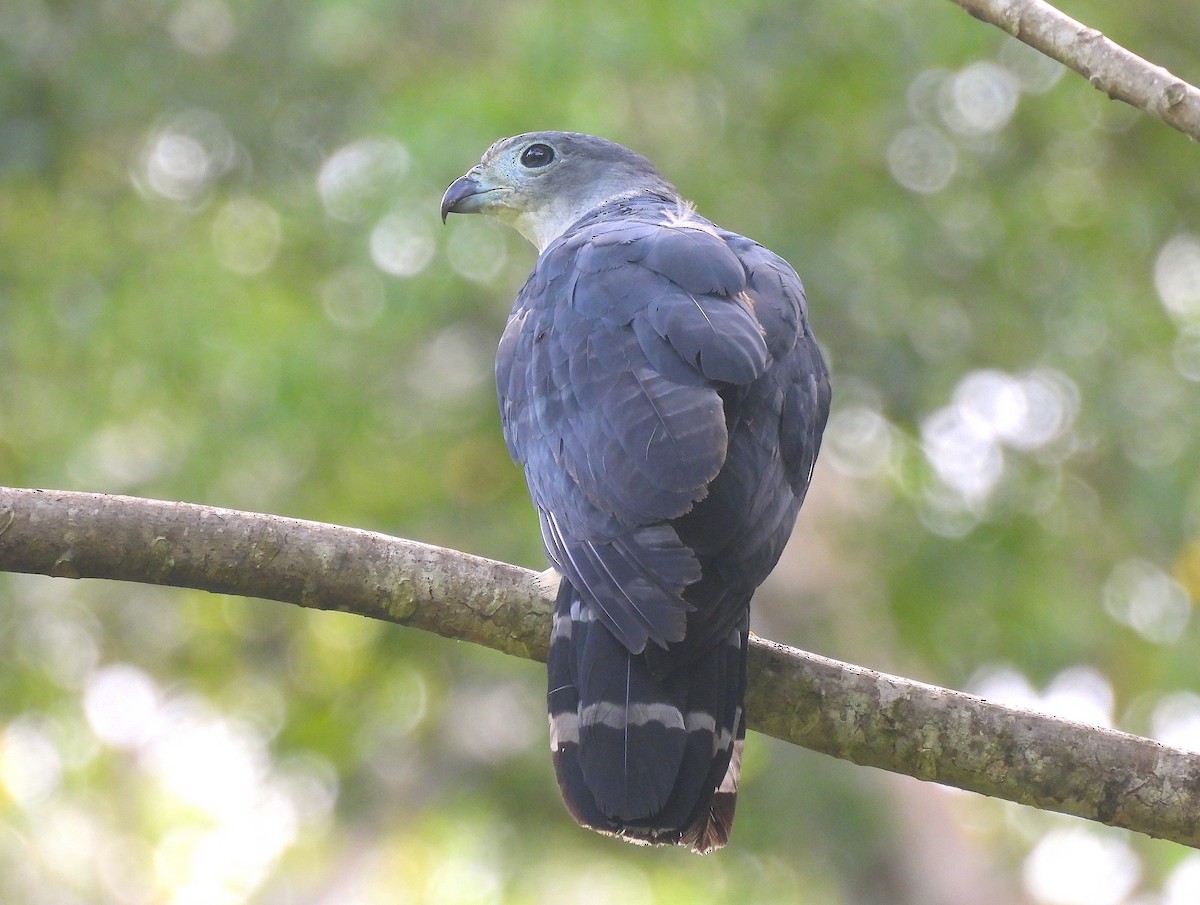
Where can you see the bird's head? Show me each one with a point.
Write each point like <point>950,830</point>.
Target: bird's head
<point>542,182</point>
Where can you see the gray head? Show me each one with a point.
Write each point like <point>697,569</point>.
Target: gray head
<point>542,182</point>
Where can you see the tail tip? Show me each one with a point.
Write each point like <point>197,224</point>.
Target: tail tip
<point>712,831</point>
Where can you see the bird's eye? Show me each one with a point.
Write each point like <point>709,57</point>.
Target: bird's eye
<point>535,156</point>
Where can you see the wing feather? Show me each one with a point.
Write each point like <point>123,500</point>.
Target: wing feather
<point>615,374</point>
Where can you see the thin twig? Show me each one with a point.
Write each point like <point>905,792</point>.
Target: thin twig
<point>1109,67</point>
<point>847,711</point>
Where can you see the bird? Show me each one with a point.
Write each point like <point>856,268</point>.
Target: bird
<point>660,385</point>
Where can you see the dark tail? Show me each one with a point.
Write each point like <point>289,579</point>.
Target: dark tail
<point>653,760</point>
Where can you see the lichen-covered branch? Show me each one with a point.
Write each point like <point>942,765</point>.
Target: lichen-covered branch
<point>93,535</point>
<point>961,740</point>
<point>1107,65</point>
<point>843,710</point>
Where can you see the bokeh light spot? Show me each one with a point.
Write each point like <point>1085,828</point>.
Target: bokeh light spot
<point>989,411</point>
<point>1176,721</point>
<point>858,442</point>
<point>1034,72</point>
<point>922,159</point>
<point>124,455</point>
<point>66,838</point>
<point>1185,352</point>
<point>1003,684</point>
<point>452,365</point>
<point>476,250</point>
<point>30,764</point>
<point>246,235</point>
<point>1079,693</point>
<point>966,459</point>
<point>211,763</point>
<point>1148,600</point>
<point>462,881</point>
<point>356,177</point>
<point>401,245</point>
<point>61,642</point>
<point>979,100</point>
<point>1182,886</point>
<point>1082,694</point>
<point>1177,276</point>
<point>493,724</point>
<point>1080,867</point>
<point>184,155</point>
<point>121,703</point>
<point>923,93</point>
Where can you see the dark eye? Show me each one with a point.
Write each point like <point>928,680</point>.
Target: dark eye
<point>535,156</point>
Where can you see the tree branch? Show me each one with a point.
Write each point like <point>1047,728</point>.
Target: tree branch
<point>847,711</point>
<point>1110,68</point>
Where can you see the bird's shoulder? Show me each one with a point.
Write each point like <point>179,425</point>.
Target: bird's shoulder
<point>663,236</point>
<point>672,276</point>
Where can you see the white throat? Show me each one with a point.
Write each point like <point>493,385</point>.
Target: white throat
<point>546,223</point>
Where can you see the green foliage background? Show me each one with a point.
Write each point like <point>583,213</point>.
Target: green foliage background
<point>222,279</point>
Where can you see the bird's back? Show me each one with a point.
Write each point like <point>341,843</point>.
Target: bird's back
<point>660,385</point>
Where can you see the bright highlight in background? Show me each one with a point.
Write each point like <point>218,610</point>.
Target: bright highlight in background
<point>922,159</point>
<point>1078,693</point>
<point>354,178</point>
<point>989,411</point>
<point>401,245</point>
<point>1140,595</point>
<point>245,811</point>
<point>30,765</point>
<point>980,99</point>
<point>1079,867</point>
<point>1177,276</point>
<point>1183,883</point>
<point>183,157</point>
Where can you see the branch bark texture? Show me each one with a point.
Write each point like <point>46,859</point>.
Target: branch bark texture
<point>1120,74</point>
<point>846,711</point>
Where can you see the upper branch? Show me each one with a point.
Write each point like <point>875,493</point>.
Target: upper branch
<point>1107,65</point>
<point>847,711</point>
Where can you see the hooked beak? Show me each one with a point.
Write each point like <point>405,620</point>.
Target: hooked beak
<point>465,196</point>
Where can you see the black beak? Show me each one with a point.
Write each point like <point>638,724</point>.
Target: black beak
<point>457,199</point>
